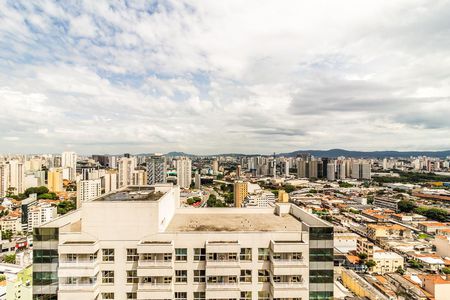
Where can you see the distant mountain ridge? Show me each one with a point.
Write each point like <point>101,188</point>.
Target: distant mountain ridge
<point>332,153</point>
<point>368,154</point>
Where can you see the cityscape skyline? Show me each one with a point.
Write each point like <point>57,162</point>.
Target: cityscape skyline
<point>227,77</point>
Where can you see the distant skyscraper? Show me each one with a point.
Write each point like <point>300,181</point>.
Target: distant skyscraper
<point>184,172</point>
<point>215,167</point>
<point>156,169</point>
<point>126,169</point>
<point>286,168</point>
<point>16,176</point>
<point>198,181</point>
<point>331,171</point>
<point>69,160</point>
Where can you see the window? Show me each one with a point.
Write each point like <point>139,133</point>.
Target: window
<point>107,295</point>
<point>246,276</point>
<point>232,256</point>
<point>321,276</point>
<point>131,295</point>
<point>107,276</point>
<point>181,254</point>
<point>45,278</point>
<point>263,275</point>
<point>132,255</point>
<point>321,233</point>
<point>246,296</point>
<point>246,254</point>
<point>71,257</point>
<point>321,254</point>
<point>167,256</point>
<point>199,275</point>
<point>45,256</point>
<point>297,256</point>
<point>199,254</point>
<point>108,254</point>
<point>263,254</point>
<point>132,276</point>
<point>181,276</point>
<point>167,280</point>
<point>180,295</point>
<point>199,296</point>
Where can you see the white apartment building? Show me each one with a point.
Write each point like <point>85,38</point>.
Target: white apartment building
<point>88,190</point>
<point>137,243</point>
<point>156,169</point>
<point>40,214</point>
<point>184,172</point>
<point>260,199</point>
<point>110,181</point>
<point>69,160</point>
<point>4,175</point>
<point>126,170</point>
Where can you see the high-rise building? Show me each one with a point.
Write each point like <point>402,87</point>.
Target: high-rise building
<point>215,167</point>
<point>240,192</point>
<point>127,165</point>
<point>69,160</point>
<point>302,169</point>
<point>184,172</point>
<point>16,176</point>
<point>110,181</point>
<point>4,179</point>
<point>331,171</point>
<point>156,169</point>
<point>286,168</point>
<point>313,169</point>
<point>88,190</point>
<point>361,170</point>
<point>55,180</point>
<point>198,181</point>
<point>179,253</point>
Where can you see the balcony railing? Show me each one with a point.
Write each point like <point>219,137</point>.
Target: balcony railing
<point>288,285</point>
<point>154,263</point>
<point>78,286</point>
<point>154,286</point>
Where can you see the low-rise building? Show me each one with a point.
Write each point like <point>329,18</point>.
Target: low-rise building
<point>388,231</point>
<point>387,262</point>
<point>431,226</point>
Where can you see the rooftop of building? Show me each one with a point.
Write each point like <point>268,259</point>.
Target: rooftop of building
<point>233,220</point>
<point>133,193</point>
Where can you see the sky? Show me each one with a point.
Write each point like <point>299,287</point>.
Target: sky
<point>209,77</point>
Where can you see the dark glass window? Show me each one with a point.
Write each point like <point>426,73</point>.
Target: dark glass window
<point>45,256</point>
<point>321,254</point>
<point>45,234</point>
<point>321,233</point>
<point>320,295</point>
<point>45,278</point>
<point>321,276</point>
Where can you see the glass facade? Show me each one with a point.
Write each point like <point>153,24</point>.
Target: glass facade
<point>321,266</point>
<point>45,263</point>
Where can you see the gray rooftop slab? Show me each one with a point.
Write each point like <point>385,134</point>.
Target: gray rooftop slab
<point>233,222</point>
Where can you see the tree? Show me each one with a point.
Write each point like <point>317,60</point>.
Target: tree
<point>289,188</point>
<point>370,264</point>
<point>362,256</point>
<point>9,258</point>
<point>400,270</point>
<point>446,270</point>
<point>2,277</point>
<point>406,206</point>
<point>64,207</point>
<point>414,264</point>
<point>7,234</point>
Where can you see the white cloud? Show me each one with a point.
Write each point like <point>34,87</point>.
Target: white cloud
<point>224,76</point>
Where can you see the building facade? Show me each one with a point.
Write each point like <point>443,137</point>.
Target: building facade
<point>137,243</point>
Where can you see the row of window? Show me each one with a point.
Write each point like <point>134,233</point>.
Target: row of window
<point>199,277</point>
<point>262,295</point>
<point>200,255</point>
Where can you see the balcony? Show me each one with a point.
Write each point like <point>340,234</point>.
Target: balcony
<point>79,286</point>
<point>222,286</point>
<point>154,286</point>
<point>289,290</point>
<point>155,263</point>
<point>155,247</point>
<point>78,247</point>
<point>78,268</point>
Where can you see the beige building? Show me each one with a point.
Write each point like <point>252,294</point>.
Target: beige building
<point>382,231</point>
<point>437,285</point>
<point>138,243</point>
<point>55,180</point>
<point>240,192</point>
<point>366,247</point>
<point>386,262</point>
<point>442,244</point>
<point>11,223</point>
